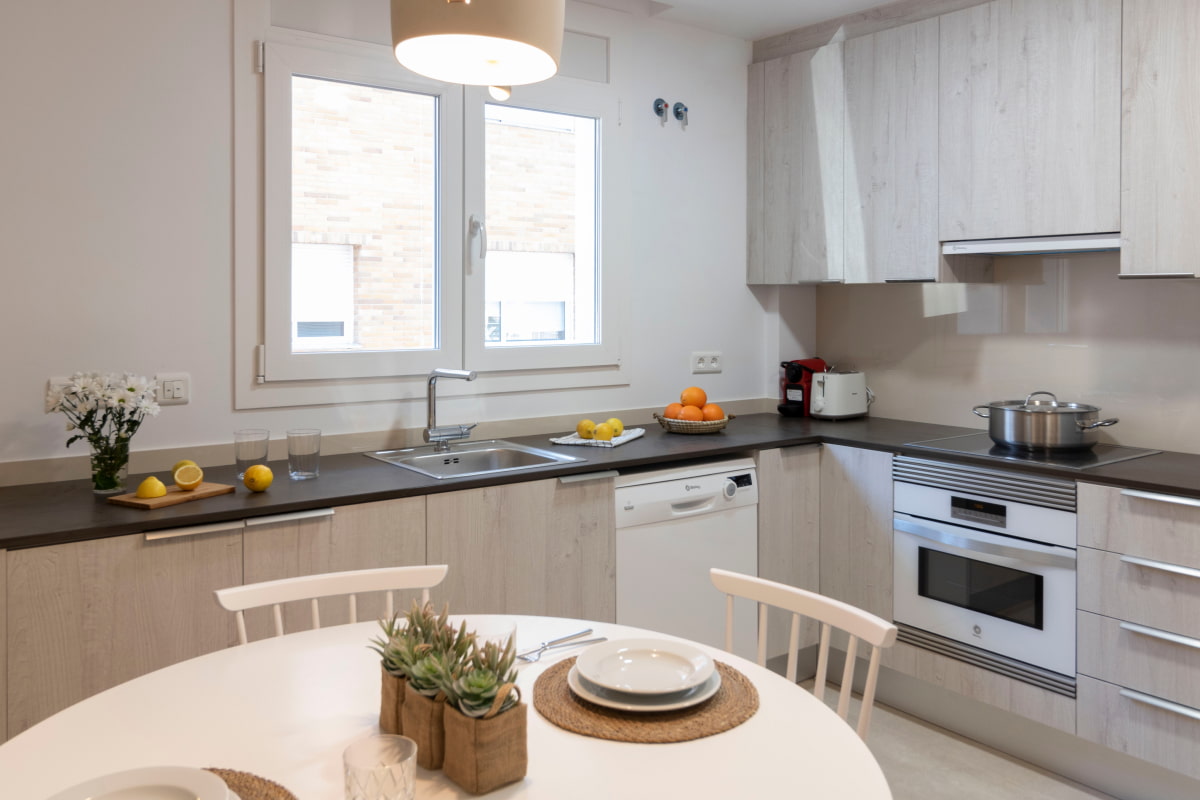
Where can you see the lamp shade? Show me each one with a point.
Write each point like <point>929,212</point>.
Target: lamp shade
<point>484,42</point>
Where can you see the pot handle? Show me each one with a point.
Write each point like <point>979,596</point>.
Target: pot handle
<point>975,411</point>
<point>1053,399</point>
<point>1103,423</point>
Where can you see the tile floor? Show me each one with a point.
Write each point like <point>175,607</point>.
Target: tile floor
<point>924,762</point>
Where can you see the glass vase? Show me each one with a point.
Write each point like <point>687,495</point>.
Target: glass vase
<point>110,467</point>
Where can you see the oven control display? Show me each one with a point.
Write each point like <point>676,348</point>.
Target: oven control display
<point>969,510</point>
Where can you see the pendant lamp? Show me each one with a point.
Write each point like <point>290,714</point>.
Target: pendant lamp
<point>479,42</point>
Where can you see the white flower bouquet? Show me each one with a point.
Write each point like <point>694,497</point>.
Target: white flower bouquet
<point>106,410</point>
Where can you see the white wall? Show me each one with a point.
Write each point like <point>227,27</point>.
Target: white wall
<point>117,218</point>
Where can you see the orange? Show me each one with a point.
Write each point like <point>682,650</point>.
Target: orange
<point>672,411</point>
<point>693,396</point>
<point>692,413</point>
<point>712,412</point>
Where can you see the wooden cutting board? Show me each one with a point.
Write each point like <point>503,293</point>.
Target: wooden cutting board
<point>174,496</point>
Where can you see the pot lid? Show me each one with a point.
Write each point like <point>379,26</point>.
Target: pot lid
<point>1051,406</point>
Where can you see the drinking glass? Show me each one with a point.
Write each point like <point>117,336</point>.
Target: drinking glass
<point>304,452</point>
<point>381,767</point>
<point>250,448</point>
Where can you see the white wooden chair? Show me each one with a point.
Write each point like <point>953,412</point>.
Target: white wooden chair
<point>331,584</point>
<point>859,624</point>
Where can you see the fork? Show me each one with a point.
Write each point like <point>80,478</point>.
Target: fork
<point>533,655</point>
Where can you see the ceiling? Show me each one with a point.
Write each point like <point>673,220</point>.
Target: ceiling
<point>745,19</point>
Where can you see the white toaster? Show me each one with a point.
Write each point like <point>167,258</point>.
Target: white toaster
<point>840,395</point>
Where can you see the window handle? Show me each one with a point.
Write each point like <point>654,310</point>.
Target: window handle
<point>477,228</point>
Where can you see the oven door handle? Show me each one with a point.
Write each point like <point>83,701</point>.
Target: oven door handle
<point>1030,555</point>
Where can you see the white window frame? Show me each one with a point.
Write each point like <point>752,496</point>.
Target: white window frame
<point>373,66</point>
<point>252,388</point>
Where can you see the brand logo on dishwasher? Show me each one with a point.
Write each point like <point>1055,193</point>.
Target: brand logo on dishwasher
<point>692,487</point>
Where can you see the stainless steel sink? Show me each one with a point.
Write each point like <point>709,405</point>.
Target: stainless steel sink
<point>472,458</point>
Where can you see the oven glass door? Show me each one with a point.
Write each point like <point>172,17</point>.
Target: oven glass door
<point>995,592</point>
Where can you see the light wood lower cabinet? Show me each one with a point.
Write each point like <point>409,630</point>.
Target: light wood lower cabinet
<point>540,547</point>
<point>383,534</point>
<point>856,527</point>
<point>1139,590</point>
<point>85,616</point>
<point>1161,663</point>
<point>1144,726</point>
<point>1152,525</point>
<point>3,645</point>
<point>789,531</point>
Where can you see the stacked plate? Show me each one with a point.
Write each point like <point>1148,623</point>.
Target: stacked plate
<point>644,675</point>
<point>151,783</point>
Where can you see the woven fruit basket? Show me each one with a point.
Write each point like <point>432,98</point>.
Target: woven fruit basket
<point>690,426</point>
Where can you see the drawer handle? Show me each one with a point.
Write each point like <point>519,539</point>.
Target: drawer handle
<point>1158,702</point>
<point>193,530</point>
<point>313,514</point>
<point>588,476</point>
<point>1162,498</point>
<point>1155,633</point>
<point>1161,567</point>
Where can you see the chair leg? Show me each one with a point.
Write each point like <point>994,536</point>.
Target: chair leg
<point>868,698</point>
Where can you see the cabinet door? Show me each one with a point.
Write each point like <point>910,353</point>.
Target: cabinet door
<point>789,531</point>
<point>1030,119</point>
<point>802,183</point>
<point>540,547</point>
<point>1160,127</point>
<point>856,527</point>
<point>891,214</point>
<point>85,616</point>
<point>388,533</point>
<point>3,644</point>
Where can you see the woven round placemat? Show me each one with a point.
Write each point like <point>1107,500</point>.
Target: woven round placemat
<point>249,786</point>
<point>734,703</point>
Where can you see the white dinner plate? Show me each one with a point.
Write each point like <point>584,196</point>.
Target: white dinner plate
<point>150,783</point>
<point>636,702</point>
<point>645,666</point>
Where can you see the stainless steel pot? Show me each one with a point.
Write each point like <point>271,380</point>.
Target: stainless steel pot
<point>1043,424</point>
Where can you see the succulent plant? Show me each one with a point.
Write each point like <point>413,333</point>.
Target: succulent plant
<point>474,688</point>
<point>424,648</point>
<point>388,646</point>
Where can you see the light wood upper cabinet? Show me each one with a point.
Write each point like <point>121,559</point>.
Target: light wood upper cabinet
<point>891,155</point>
<point>389,533</point>
<point>856,527</point>
<point>796,119</point>
<point>1160,138</point>
<point>85,616</point>
<point>1030,118</point>
<point>789,530</point>
<point>540,547</point>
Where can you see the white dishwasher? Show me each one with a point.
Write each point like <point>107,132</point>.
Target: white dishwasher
<point>673,525</point>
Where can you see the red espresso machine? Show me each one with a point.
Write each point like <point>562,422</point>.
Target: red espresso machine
<point>796,385</point>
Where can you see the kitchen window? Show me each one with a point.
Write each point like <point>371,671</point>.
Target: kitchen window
<point>410,224</point>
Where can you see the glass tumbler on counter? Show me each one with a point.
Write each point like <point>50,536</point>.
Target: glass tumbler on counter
<point>250,448</point>
<point>381,767</point>
<point>304,453</point>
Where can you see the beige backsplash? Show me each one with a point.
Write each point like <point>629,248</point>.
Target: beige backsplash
<point>1065,324</point>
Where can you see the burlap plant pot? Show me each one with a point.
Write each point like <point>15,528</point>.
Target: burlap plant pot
<point>485,752</point>
<point>391,700</point>
<point>421,720</point>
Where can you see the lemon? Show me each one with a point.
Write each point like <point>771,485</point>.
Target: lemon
<point>603,432</point>
<point>258,477</point>
<point>617,426</point>
<point>151,487</point>
<point>585,428</point>
<point>188,477</point>
<point>182,463</point>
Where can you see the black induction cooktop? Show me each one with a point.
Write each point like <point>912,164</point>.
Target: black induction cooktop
<point>980,444</point>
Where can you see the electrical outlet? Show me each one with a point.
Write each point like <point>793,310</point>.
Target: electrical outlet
<point>706,361</point>
<point>174,388</point>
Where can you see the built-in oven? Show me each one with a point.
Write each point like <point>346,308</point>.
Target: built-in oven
<point>984,568</point>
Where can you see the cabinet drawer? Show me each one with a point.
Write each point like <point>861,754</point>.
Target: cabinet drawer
<point>1139,724</point>
<point>1144,591</point>
<point>1158,526</point>
<point>1146,659</point>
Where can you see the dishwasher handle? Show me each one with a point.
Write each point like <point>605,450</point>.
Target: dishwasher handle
<point>693,505</point>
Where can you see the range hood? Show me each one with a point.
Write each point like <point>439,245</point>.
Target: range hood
<point>1037,245</point>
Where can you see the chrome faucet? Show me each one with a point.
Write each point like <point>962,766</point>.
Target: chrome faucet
<point>441,437</point>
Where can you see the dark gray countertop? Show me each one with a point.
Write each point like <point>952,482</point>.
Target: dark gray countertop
<point>51,513</point>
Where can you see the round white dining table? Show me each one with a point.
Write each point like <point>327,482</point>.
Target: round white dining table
<point>285,708</point>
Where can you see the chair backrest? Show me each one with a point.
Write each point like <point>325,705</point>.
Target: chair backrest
<point>331,584</point>
<point>859,624</point>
